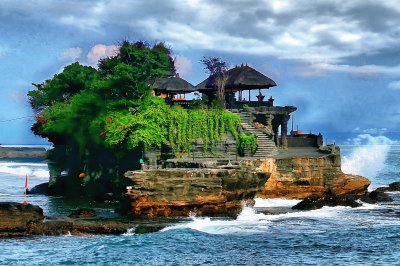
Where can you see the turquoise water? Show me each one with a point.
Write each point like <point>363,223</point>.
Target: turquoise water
<point>368,235</point>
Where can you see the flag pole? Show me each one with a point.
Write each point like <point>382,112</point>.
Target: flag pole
<point>26,188</point>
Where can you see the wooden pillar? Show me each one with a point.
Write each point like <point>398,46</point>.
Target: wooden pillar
<point>284,124</point>
<point>249,96</point>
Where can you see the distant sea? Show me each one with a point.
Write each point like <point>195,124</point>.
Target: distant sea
<point>270,233</point>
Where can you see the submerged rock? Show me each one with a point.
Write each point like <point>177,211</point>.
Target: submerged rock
<point>328,198</point>
<point>83,213</point>
<point>147,229</point>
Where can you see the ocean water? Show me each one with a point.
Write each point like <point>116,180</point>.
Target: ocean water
<point>270,233</point>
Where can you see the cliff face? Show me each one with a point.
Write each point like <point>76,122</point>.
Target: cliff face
<point>179,192</point>
<point>213,191</point>
<point>300,177</point>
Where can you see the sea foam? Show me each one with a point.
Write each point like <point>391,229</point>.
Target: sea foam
<point>39,170</point>
<point>251,222</point>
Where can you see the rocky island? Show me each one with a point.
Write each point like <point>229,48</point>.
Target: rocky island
<point>126,132</point>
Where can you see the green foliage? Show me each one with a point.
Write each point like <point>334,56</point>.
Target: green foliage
<point>144,125</point>
<point>246,142</point>
<point>75,103</point>
<point>199,125</point>
<point>154,123</point>
<point>61,87</point>
<point>107,117</point>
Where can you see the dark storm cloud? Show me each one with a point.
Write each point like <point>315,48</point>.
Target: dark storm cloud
<point>284,29</point>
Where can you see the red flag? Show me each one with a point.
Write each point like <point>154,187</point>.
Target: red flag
<point>26,189</point>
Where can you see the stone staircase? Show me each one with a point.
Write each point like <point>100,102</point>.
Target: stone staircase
<point>265,144</point>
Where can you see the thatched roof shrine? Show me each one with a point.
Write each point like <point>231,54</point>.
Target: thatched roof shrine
<point>239,78</point>
<point>174,85</point>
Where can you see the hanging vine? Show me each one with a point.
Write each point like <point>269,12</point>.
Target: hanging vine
<point>200,125</point>
<point>247,142</point>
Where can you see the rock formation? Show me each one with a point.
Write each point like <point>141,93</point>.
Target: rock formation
<point>179,192</point>
<point>20,220</point>
<point>299,177</point>
<point>209,190</point>
<point>328,198</point>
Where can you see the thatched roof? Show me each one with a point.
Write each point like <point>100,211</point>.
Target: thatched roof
<point>173,85</point>
<point>241,77</point>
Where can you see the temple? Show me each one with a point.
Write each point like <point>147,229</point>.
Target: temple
<point>259,116</point>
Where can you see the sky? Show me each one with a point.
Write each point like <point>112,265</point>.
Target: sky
<point>337,61</point>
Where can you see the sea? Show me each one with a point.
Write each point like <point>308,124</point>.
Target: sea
<point>270,233</point>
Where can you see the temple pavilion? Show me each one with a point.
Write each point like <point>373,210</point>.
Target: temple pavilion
<point>173,89</point>
<point>258,115</point>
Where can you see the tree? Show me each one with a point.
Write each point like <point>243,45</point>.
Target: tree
<point>217,69</point>
<point>73,79</point>
<point>103,116</point>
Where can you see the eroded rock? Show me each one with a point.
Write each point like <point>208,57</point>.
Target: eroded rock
<point>301,177</point>
<point>180,192</point>
<point>328,198</point>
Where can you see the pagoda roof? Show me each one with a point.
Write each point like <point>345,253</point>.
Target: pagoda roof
<point>239,78</point>
<point>173,84</point>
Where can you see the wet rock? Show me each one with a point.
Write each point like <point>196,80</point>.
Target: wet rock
<point>20,220</point>
<point>328,198</point>
<point>83,213</point>
<point>382,189</point>
<point>41,189</point>
<point>394,186</point>
<point>50,228</point>
<point>376,196</point>
<point>15,217</point>
<point>102,227</point>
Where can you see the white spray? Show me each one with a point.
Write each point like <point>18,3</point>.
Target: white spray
<point>369,157</point>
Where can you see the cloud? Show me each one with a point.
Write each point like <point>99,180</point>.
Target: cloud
<point>394,85</point>
<point>334,29</point>
<point>183,66</point>
<point>100,51</point>
<point>71,54</point>
<point>362,71</point>
<point>321,35</point>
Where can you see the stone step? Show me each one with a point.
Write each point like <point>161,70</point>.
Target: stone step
<point>265,144</point>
